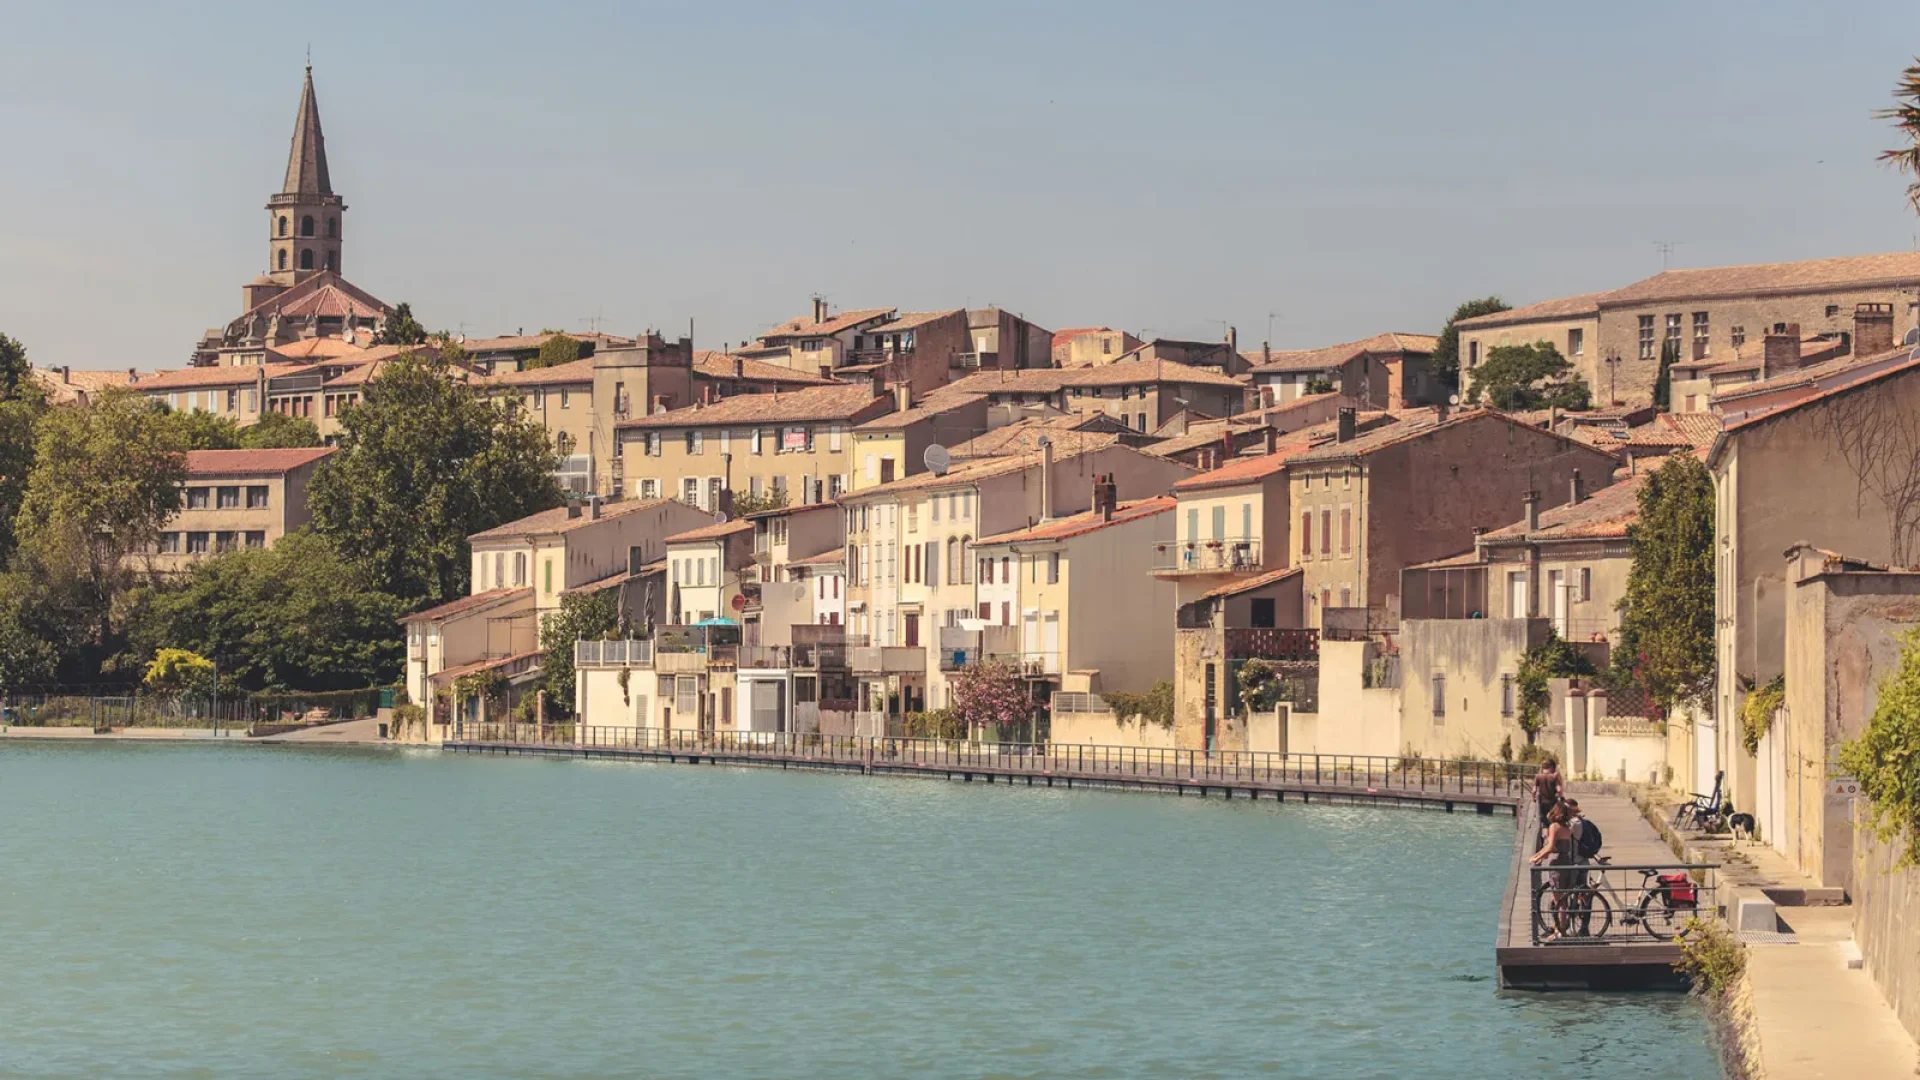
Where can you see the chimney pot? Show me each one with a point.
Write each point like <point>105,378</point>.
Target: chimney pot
<point>1872,329</point>
<point>1576,491</point>
<point>593,508</point>
<point>739,366</point>
<point>1532,504</point>
<point>819,309</point>
<point>902,397</point>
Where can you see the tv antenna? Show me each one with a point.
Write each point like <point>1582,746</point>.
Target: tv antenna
<point>1665,248</point>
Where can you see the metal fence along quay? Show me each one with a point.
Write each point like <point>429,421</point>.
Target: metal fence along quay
<point>1425,779</point>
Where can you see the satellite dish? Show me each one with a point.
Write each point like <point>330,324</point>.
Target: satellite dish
<point>1912,338</point>
<point>937,460</point>
<point>1453,399</point>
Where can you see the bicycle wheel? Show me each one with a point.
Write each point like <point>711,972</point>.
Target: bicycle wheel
<point>1683,817</point>
<point>1589,913</point>
<point>1661,921</point>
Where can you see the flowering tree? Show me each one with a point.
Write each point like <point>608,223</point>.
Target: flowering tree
<point>992,693</point>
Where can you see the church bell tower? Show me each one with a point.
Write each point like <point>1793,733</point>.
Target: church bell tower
<point>305,220</point>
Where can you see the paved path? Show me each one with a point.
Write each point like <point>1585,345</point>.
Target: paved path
<point>347,732</point>
<point>1816,1017</point>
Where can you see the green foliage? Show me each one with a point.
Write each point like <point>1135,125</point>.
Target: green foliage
<point>991,693</point>
<point>1905,115</point>
<point>1553,658</point>
<point>1886,756</point>
<point>408,718</point>
<point>180,671</point>
<point>400,327</point>
<point>106,478</point>
<point>1710,957</point>
<point>1756,713</point>
<point>745,502</point>
<point>21,403</point>
<point>14,367</point>
<point>1663,383</point>
<point>1446,355</point>
<point>589,615</point>
<point>278,431</point>
<point>422,463</point>
<point>934,724</point>
<point>204,430</point>
<point>29,655</point>
<point>1666,618</point>
<point>556,350</point>
<point>1153,707</point>
<point>1535,376</point>
<point>1319,384</point>
<point>487,685</point>
<point>1260,686</point>
<point>296,616</point>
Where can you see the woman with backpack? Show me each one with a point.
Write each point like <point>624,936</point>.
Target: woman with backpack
<point>1558,846</point>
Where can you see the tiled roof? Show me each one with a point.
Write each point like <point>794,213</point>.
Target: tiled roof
<point>937,404</point>
<point>1805,376</point>
<point>1247,469</point>
<point>1900,268</point>
<point>198,377</point>
<point>806,327</point>
<point>1268,413</point>
<point>910,320</point>
<point>1086,522</point>
<point>1469,557</point>
<point>719,365</point>
<point>830,557</point>
<point>1603,515</point>
<point>330,301</point>
<point>556,520</point>
<point>1565,307</point>
<point>1334,356</point>
<point>319,348</point>
<point>1257,581</point>
<point>969,470</point>
<point>616,579</point>
<point>1064,337</point>
<point>445,675</point>
<point>1120,373</point>
<point>1845,378</point>
<point>517,342</point>
<point>1414,424</point>
<point>846,402</point>
<point>715,531</point>
<point>251,462</point>
<point>357,375</point>
<point>1078,432</point>
<point>66,386</point>
<point>571,373</point>
<point>1698,428</point>
<point>466,604</point>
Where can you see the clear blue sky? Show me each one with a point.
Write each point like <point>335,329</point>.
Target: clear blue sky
<point>1354,167</point>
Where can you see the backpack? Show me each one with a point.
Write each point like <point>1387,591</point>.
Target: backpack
<point>1589,841</point>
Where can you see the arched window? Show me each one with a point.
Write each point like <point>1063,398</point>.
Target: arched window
<point>306,258</point>
<point>306,225</point>
<point>283,259</point>
<point>333,260</point>
<point>333,227</point>
<point>283,224</point>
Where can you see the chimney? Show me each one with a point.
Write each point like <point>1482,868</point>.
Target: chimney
<point>739,366</point>
<point>1781,352</point>
<point>826,371</point>
<point>902,397</point>
<point>1532,503</point>
<point>1271,438</point>
<point>66,373</point>
<point>819,309</point>
<point>1233,343</point>
<point>879,385</point>
<point>133,376</point>
<point>1440,413</point>
<point>593,507</point>
<point>1576,491</point>
<point>1872,329</point>
<point>573,508</point>
<point>1266,352</point>
<point>1344,426</point>
<point>1046,478</point>
<point>1106,496</point>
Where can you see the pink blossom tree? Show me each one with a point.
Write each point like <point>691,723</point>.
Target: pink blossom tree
<point>992,693</point>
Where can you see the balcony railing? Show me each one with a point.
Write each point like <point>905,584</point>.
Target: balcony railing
<point>1263,643</point>
<point>766,656</point>
<point>1208,557</point>
<point>634,653</point>
<point>1036,665</point>
<point>960,647</point>
<point>972,360</point>
<point>889,660</point>
<point>1071,701</point>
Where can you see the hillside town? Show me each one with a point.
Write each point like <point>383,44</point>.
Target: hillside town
<point>1663,533</point>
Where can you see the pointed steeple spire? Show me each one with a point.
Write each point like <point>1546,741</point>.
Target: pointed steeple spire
<point>307,160</point>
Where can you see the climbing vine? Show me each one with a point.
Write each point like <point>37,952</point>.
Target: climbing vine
<point>1756,713</point>
<point>1153,707</point>
<point>1885,759</point>
<point>1553,658</point>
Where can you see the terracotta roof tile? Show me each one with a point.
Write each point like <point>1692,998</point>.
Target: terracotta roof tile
<point>1414,424</point>
<point>1899,268</point>
<point>806,327</point>
<point>1076,432</point>
<point>320,348</point>
<point>571,373</point>
<point>1235,588</point>
<point>251,462</point>
<point>1469,557</point>
<point>715,531</point>
<point>556,520</point>
<point>1065,337</point>
<point>912,320</point>
<point>1843,379</point>
<point>198,377</point>
<point>1585,305</point>
<point>1603,515</point>
<point>1247,469</point>
<point>831,557</point>
<point>448,674</point>
<point>1334,356</point>
<point>936,404</point>
<point>719,365</point>
<point>850,403</point>
<point>1120,373</point>
<point>1086,522</point>
<point>466,604</point>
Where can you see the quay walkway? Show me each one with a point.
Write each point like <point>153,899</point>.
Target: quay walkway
<point>1483,786</point>
<point>1618,931</point>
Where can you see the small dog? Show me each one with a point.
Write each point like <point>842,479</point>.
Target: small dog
<point>1742,826</point>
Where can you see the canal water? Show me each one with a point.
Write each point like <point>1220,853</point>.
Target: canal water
<point>182,911</point>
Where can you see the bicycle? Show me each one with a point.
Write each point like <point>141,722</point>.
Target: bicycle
<point>1664,904</point>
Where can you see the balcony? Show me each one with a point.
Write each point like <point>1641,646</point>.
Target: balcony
<point>766,657</point>
<point>889,660</point>
<point>1039,665</point>
<point>960,647</point>
<point>635,653</point>
<point>1261,643</point>
<point>973,361</point>
<point>1207,557</point>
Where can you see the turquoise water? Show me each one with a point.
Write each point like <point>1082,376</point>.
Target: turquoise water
<point>176,911</point>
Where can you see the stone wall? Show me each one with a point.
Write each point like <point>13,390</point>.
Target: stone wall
<point>1886,907</point>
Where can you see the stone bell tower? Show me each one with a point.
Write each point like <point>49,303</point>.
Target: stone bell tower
<point>305,220</point>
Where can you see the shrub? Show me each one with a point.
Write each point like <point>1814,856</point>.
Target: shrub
<point>1886,757</point>
<point>1756,713</point>
<point>1153,707</point>
<point>1710,957</point>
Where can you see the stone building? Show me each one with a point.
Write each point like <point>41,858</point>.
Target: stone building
<point>233,500</point>
<point>1387,371</point>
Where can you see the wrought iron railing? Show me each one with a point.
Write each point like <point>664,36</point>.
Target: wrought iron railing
<point>1369,774</point>
<point>1601,903</point>
<point>1249,643</point>
<point>1208,556</point>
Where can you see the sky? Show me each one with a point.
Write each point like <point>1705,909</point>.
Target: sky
<point>1306,173</point>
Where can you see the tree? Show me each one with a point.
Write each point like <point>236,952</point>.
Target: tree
<point>556,350</point>
<point>204,430</point>
<point>1666,618</point>
<point>1905,115</point>
<point>1318,384</point>
<point>28,654</point>
<point>1553,658</point>
<point>400,327</point>
<point>746,502</point>
<point>14,368</point>
<point>1532,376</point>
<point>276,431</point>
<point>1663,383</point>
<point>1261,686</point>
<point>1886,756</point>
<point>295,616</point>
<point>106,478</point>
<point>582,615</point>
<point>180,671</point>
<point>1446,355</point>
<point>21,403</point>
<point>423,462</point>
<point>992,693</point>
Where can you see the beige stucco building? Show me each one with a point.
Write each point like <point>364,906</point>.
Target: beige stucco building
<point>236,499</point>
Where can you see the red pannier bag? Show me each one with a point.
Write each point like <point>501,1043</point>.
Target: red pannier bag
<point>1679,889</point>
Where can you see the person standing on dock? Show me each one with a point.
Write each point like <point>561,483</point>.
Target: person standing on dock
<point>1547,789</point>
